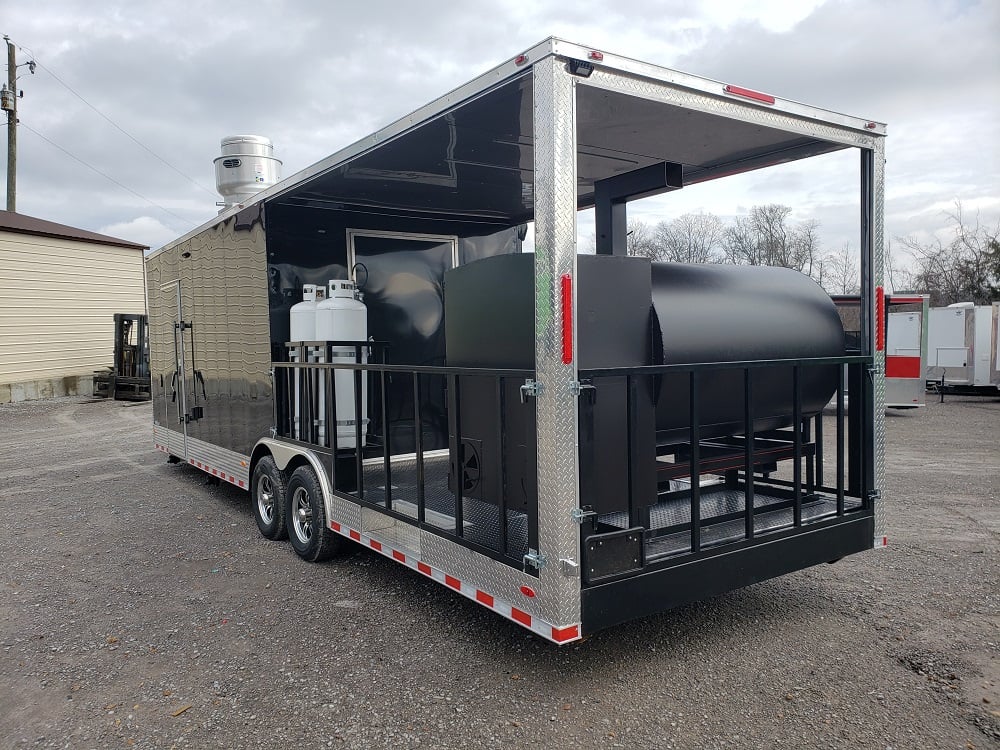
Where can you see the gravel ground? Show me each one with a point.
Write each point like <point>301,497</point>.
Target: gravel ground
<point>140,608</point>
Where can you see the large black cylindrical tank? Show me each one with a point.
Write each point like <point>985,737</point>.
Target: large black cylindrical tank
<point>720,313</point>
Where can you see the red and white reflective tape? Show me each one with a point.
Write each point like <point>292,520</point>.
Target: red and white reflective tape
<point>208,469</point>
<point>881,542</point>
<point>217,473</point>
<point>556,634</point>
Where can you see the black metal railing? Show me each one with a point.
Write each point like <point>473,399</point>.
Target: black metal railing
<point>439,448</point>
<point>741,488</point>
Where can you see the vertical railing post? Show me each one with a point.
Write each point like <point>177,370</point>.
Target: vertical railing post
<point>840,440</point>
<point>418,446</point>
<point>695,461</point>
<point>797,427</point>
<point>748,436</point>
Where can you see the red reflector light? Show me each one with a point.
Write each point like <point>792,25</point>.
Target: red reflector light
<point>567,318</point>
<point>595,55</point>
<point>871,125</point>
<point>879,318</point>
<point>528,592</point>
<point>520,59</point>
<point>757,96</point>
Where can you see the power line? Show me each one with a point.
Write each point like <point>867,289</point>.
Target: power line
<point>122,130</point>
<point>104,174</point>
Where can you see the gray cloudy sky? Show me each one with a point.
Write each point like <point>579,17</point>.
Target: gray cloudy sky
<point>315,77</point>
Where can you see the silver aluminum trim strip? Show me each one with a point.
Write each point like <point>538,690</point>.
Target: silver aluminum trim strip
<point>497,578</point>
<point>616,63</point>
<point>878,268</point>
<point>556,405</point>
<point>232,463</point>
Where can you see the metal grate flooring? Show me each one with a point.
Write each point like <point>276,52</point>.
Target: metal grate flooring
<point>670,519</point>
<point>480,520</point>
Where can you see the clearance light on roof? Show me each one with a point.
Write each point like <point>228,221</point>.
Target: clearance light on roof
<point>757,96</point>
<point>871,125</point>
<point>520,59</point>
<point>595,56</point>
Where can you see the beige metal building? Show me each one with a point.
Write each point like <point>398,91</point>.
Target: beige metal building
<point>59,290</point>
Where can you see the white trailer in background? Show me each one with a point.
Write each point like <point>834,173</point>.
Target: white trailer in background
<point>903,327</point>
<point>995,346</point>
<point>962,347</point>
<point>905,350</point>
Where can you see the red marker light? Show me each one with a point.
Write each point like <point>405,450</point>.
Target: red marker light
<point>595,55</point>
<point>520,59</point>
<point>757,96</point>
<point>879,318</point>
<point>567,319</point>
<point>528,592</point>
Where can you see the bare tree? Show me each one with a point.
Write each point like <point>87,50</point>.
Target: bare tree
<point>965,269</point>
<point>840,273</point>
<point>764,238</point>
<point>691,238</point>
<point>640,241</point>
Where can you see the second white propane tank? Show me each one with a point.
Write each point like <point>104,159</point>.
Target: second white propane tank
<point>344,317</point>
<point>303,314</point>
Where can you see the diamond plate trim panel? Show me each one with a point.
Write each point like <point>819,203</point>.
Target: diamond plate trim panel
<point>878,266</point>
<point>220,462</point>
<point>496,577</point>
<point>556,414</point>
<point>725,107</point>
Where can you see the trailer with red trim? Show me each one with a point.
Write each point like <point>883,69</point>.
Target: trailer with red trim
<point>904,321</point>
<point>570,440</point>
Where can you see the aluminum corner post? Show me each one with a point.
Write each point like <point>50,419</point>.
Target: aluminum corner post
<point>878,279</point>
<point>556,406</point>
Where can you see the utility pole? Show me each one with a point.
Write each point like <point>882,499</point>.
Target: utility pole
<point>10,104</point>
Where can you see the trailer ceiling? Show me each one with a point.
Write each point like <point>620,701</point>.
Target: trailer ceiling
<point>475,162</point>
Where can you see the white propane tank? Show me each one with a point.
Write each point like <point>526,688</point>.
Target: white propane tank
<point>302,326</point>
<point>303,314</point>
<point>342,316</point>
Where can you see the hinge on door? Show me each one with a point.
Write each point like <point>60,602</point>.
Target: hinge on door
<point>530,389</point>
<point>873,370</point>
<point>580,515</point>
<point>182,326</point>
<point>577,388</point>
<point>535,559</point>
<point>874,495</point>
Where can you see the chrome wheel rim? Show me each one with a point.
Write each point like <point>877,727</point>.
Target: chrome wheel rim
<point>265,499</point>
<point>302,515</point>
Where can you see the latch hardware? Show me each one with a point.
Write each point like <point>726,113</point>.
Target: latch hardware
<point>530,389</point>
<point>535,559</point>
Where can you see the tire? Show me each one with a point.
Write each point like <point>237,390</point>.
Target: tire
<point>305,515</point>
<point>269,492</point>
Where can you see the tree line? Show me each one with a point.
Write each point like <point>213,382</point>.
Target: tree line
<point>965,268</point>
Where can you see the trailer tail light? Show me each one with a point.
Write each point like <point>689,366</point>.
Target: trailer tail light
<point>879,319</point>
<point>757,96</point>
<point>567,318</point>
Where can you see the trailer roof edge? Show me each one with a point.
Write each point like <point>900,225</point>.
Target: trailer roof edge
<point>521,64</point>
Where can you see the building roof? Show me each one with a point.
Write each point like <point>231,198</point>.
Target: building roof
<point>15,222</point>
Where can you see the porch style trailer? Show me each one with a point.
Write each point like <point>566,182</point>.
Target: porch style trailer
<point>570,440</point>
